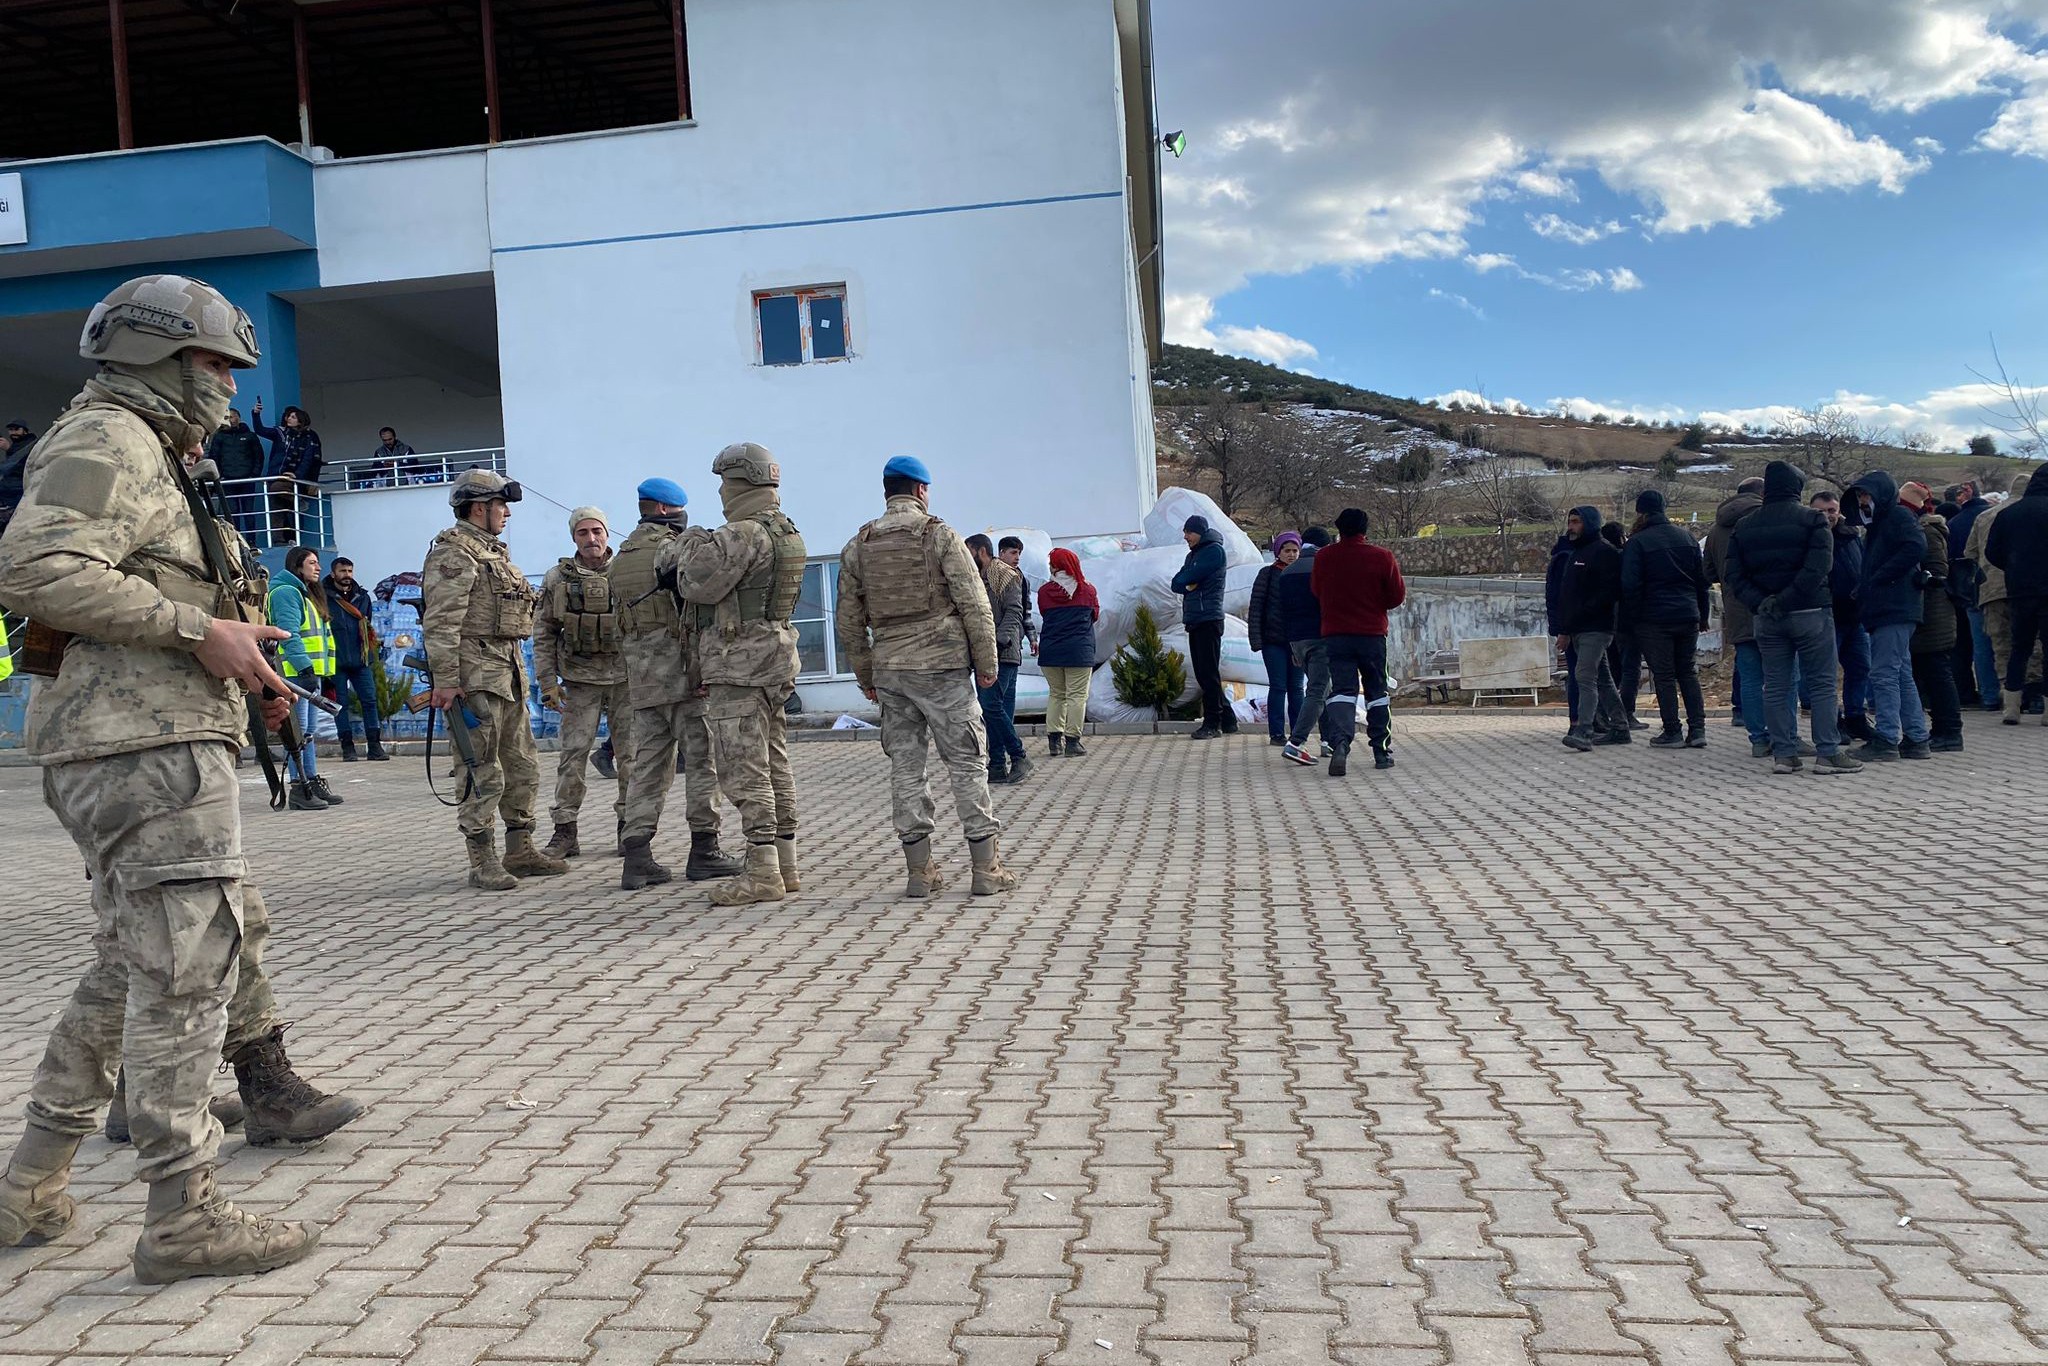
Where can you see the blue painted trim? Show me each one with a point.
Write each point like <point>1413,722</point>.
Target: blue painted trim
<point>176,192</point>
<point>812,222</point>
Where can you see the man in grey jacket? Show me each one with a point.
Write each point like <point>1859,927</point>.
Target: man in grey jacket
<point>1006,761</point>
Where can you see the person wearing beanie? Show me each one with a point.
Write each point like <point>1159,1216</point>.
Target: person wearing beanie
<point>1588,600</point>
<point>1357,584</point>
<point>1934,640</point>
<point>1005,588</point>
<point>1200,584</point>
<point>1777,565</point>
<point>2017,547</point>
<point>1892,603</point>
<point>1301,616</point>
<point>1664,598</point>
<point>1286,682</point>
<point>576,657</point>
<point>670,724</point>
<point>1068,609</point>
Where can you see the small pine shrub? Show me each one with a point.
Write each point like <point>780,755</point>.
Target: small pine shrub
<point>1145,672</point>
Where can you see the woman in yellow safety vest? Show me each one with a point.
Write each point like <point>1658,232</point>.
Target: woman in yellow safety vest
<point>298,605</point>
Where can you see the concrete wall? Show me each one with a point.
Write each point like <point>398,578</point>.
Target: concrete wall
<point>1454,556</point>
<point>1440,612</point>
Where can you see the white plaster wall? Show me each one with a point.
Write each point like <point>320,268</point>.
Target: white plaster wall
<point>995,343</point>
<point>401,218</point>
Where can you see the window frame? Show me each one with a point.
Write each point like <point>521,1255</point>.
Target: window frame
<point>804,294</point>
<point>829,596</point>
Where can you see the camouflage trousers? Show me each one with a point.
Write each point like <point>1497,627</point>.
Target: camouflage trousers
<point>922,709</point>
<point>750,737</point>
<point>582,704</point>
<point>657,734</point>
<point>1998,626</point>
<point>161,831</point>
<point>507,766</point>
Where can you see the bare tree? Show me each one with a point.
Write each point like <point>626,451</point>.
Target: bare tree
<point>1221,437</point>
<point>1831,444</point>
<point>1404,494</point>
<point>1506,491</point>
<point>2017,410</point>
<point>1300,468</point>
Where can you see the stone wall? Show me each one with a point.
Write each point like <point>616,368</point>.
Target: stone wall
<point>1452,556</point>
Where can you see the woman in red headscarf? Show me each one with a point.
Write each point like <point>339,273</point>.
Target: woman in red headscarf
<point>1067,611</point>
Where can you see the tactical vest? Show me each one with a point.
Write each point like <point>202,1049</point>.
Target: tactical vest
<point>899,569</point>
<point>770,590</point>
<point>588,612</point>
<point>500,600</point>
<point>644,606</point>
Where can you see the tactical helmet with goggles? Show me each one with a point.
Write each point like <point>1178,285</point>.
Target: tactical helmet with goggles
<point>154,317</point>
<point>482,486</point>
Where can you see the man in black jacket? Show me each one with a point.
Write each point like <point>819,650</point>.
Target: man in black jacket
<point>1778,563</point>
<point>1664,597</point>
<point>2018,545</point>
<point>1852,642</point>
<point>238,453</point>
<point>1588,596</point>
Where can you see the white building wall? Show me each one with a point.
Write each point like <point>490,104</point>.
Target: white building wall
<point>413,217</point>
<point>999,341</point>
<point>428,416</point>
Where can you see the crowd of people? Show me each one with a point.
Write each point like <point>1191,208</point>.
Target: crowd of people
<point>1875,611</point>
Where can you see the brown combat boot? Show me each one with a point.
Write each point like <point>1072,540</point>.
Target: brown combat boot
<point>925,876</point>
<point>990,877</point>
<point>282,1106</point>
<point>785,860</point>
<point>227,1109</point>
<point>759,880</point>
<point>524,859</point>
<point>640,869</point>
<point>484,869</point>
<point>562,844</point>
<point>34,1205</point>
<point>190,1229</point>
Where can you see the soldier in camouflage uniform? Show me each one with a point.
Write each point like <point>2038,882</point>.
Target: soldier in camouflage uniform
<point>907,578</point>
<point>577,643</point>
<point>668,702</point>
<point>476,610</point>
<point>138,735</point>
<point>740,583</point>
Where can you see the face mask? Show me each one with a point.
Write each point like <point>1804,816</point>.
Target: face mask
<point>1066,582</point>
<point>206,399</point>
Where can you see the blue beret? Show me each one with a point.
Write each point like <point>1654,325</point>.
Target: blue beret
<point>910,467</point>
<point>663,491</point>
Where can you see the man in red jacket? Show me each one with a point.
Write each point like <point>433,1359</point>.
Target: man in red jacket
<point>1356,584</point>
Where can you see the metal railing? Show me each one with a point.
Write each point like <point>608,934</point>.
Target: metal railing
<point>421,467</point>
<point>279,512</point>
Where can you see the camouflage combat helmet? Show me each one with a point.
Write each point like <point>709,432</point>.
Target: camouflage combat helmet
<point>748,462</point>
<point>153,317</point>
<point>482,486</point>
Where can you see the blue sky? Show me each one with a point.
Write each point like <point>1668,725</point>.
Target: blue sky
<point>1774,211</point>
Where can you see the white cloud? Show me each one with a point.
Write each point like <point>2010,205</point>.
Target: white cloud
<point>1556,229</point>
<point>1188,319</point>
<point>1327,135</point>
<point>1460,301</point>
<point>1575,280</point>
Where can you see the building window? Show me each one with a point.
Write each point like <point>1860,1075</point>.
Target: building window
<point>817,644</point>
<point>793,326</point>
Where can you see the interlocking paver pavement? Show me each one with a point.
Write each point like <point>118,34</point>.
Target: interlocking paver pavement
<point>1506,1056</point>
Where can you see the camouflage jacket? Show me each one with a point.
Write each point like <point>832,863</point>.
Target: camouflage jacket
<point>652,639</point>
<point>104,546</point>
<point>554,654</point>
<point>709,567</point>
<point>956,630</point>
<point>476,609</point>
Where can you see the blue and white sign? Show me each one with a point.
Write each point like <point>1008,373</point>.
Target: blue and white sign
<point>13,211</point>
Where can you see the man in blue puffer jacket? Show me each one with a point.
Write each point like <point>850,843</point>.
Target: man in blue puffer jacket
<point>1200,584</point>
<point>1890,599</point>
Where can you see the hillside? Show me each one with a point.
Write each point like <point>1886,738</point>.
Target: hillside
<point>1601,462</point>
